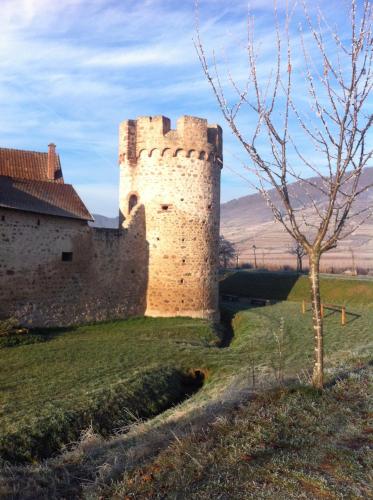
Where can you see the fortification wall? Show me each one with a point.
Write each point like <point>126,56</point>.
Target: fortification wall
<point>163,260</point>
<point>105,279</point>
<point>175,177</point>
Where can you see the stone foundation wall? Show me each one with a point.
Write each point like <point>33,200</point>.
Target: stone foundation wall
<point>106,278</point>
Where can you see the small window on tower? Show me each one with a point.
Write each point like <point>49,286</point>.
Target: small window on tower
<point>165,207</point>
<point>132,202</point>
<point>67,256</point>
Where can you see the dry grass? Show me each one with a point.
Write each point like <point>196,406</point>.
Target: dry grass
<point>288,443</point>
<point>116,466</point>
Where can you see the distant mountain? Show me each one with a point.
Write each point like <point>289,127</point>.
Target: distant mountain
<point>102,221</point>
<point>247,221</point>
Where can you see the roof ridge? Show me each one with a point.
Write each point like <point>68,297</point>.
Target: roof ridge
<point>45,181</point>
<point>26,151</point>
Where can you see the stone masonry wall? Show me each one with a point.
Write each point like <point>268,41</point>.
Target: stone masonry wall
<point>174,175</point>
<point>106,279</point>
<point>163,260</point>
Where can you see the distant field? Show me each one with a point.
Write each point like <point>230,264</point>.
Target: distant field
<point>291,286</point>
<point>107,374</point>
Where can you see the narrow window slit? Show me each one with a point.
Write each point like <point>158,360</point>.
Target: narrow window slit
<point>67,256</point>
<point>132,202</point>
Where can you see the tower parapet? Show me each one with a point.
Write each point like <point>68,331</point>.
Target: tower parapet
<point>148,133</point>
<point>174,175</point>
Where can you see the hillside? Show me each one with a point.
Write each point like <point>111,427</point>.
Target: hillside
<point>247,221</point>
<point>103,221</point>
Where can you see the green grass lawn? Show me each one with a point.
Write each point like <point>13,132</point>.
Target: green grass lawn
<point>52,389</point>
<point>291,286</point>
<point>104,373</point>
<point>74,363</point>
<point>268,334</point>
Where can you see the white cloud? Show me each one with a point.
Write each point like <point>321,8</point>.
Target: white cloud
<point>159,55</point>
<point>71,70</point>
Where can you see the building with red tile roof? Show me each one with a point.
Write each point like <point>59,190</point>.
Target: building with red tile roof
<point>57,270</point>
<point>33,182</point>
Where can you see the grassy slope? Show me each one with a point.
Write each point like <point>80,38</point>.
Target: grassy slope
<point>290,286</point>
<point>256,331</point>
<point>64,382</point>
<point>289,443</point>
<point>130,362</point>
<point>80,361</point>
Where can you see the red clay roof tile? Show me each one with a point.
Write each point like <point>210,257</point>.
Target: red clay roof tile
<point>50,198</point>
<point>27,165</point>
<point>25,185</point>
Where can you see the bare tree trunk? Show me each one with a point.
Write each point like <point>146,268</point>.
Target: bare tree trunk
<point>318,368</point>
<point>300,265</point>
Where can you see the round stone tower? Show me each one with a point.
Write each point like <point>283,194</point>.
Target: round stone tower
<point>173,178</point>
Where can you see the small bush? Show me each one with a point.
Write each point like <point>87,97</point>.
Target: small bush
<point>12,334</point>
<point>8,327</point>
<point>362,271</point>
<point>246,265</point>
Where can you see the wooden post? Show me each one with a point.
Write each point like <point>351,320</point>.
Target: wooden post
<point>322,310</point>
<point>303,306</point>
<point>343,311</point>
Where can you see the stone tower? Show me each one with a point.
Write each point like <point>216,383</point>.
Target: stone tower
<point>173,177</point>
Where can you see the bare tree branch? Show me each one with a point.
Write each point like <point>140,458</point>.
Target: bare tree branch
<point>338,79</point>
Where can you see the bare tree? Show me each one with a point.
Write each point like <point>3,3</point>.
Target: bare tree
<point>337,71</point>
<point>227,252</point>
<point>254,251</point>
<point>298,250</point>
<point>353,269</point>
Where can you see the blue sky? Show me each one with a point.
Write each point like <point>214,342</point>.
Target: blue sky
<point>71,70</point>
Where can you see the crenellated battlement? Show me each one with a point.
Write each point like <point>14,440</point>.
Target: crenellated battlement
<point>147,134</point>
